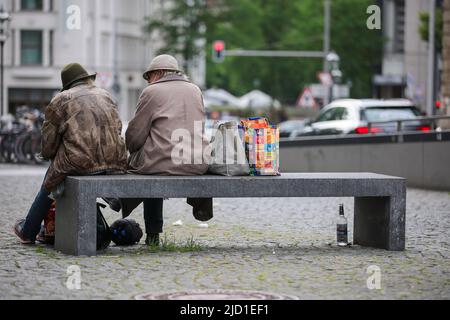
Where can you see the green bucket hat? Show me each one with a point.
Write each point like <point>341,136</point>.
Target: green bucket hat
<point>72,73</point>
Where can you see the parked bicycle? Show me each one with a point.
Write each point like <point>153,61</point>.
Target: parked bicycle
<point>20,137</point>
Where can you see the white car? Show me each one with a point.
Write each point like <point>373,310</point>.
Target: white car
<point>351,116</point>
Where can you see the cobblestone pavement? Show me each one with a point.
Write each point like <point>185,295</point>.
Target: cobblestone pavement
<point>283,246</point>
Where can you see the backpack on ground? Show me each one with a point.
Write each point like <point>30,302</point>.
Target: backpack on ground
<point>126,232</point>
<point>49,225</point>
<point>104,235</point>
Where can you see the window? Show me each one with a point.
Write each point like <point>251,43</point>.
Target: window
<point>36,98</point>
<point>341,114</point>
<point>399,26</point>
<point>333,114</point>
<point>31,47</point>
<point>390,114</point>
<point>32,5</point>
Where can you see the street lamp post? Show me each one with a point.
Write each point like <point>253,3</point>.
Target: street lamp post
<point>336,74</point>
<point>5,18</point>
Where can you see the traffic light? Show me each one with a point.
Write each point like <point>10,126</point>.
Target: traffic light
<point>218,51</point>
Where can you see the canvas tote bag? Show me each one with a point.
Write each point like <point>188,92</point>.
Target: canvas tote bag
<point>228,157</point>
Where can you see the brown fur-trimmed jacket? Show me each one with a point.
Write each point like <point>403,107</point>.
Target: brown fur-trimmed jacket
<point>81,135</point>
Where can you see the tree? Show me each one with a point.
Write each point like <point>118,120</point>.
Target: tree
<point>273,25</point>
<point>360,49</point>
<point>182,28</point>
<point>294,25</point>
<point>238,24</point>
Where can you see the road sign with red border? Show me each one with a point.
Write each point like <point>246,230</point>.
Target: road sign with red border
<point>306,99</point>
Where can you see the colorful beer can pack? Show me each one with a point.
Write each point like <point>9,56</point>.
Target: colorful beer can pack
<point>262,143</point>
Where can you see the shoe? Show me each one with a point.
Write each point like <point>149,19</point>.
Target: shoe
<point>152,239</point>
<point>202,208</point>
<point>114,204</point>
<point>18,231</point>
<point>41,236</point>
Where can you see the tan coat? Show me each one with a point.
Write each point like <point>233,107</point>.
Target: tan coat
<point>166,107</point>
<point>81,135</point>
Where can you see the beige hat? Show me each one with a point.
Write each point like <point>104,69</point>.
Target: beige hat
<point>162,62</point>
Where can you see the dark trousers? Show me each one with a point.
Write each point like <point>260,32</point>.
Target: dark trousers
<point>153,215</point>
<point>39,209</point>
<point>42,204</point>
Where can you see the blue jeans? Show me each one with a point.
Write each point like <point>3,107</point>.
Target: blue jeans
<point>153,215</point>
<point>39,209</point>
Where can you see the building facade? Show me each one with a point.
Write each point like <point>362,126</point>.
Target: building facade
<point>404,70</point>
<point>105,36</point>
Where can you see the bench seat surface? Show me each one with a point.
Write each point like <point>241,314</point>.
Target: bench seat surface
<point>286,185</point>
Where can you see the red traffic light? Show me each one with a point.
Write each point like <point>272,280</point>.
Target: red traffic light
<point>438,104</point>
<point>219,45</point>
<point>218,51</point>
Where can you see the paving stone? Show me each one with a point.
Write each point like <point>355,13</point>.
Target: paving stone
<point>284,246</point>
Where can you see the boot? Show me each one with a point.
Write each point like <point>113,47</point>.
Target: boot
<point>114,204</point>
<point>202,208</point>
<point>152,239</point>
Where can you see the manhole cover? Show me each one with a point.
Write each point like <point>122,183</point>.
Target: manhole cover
<point>215,294</point>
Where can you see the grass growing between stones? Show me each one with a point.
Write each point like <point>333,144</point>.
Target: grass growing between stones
<point>172,245</point>
<point>48,251</point>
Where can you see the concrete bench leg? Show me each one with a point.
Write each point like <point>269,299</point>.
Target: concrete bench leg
<point>76,222</point>
<point>380,222</point>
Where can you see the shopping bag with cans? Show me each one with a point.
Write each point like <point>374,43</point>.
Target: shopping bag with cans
<point>262,144</point>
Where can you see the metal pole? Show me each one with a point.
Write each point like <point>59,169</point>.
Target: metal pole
<point>274,53</point>
<point>326,43</point>
<point>431,57</point>
<point>1,80</point>
<point>330,92</point>
<point>115,60</point>
<point>326,34</point>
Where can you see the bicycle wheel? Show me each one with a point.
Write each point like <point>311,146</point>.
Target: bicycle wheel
<point>2,158</point>
<point>8,145</point>
<point>36,146</point>
<point>23,148</point>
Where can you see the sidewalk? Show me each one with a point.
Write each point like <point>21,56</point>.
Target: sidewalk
<point>283,246</point>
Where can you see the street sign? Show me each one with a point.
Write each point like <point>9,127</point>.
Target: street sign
<point>306,99</point>
<point>325,78</point>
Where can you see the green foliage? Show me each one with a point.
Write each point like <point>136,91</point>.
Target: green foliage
<point>181,27</point>
<point>359,48</point>
<point>239,25</point>
<point>424,29</point>
<point>276,25</point>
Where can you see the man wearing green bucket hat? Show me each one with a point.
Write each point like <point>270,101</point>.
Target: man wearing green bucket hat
<point>81,135</point>
<point>73,73</point>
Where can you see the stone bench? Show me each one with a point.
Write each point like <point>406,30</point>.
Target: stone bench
<point>379,216</point>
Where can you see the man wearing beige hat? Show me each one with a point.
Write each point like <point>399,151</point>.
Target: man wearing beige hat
<point>169,104</point>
